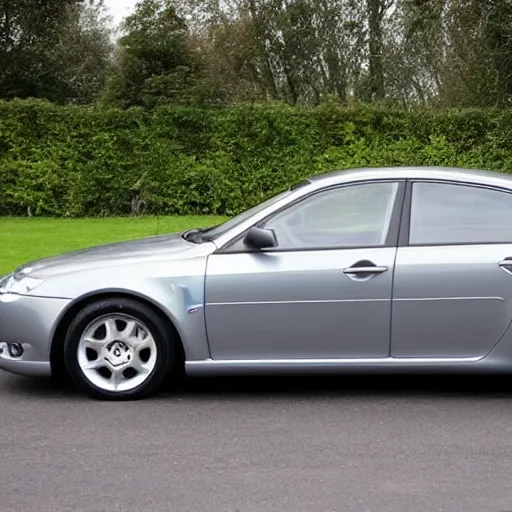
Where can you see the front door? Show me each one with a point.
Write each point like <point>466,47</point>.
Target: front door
<point>324,291</point>
<point>453,286</point>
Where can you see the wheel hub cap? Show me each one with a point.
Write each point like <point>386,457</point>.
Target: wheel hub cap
<point>118,353</point>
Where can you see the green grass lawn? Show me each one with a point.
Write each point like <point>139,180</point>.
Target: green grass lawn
<point>25,239</point>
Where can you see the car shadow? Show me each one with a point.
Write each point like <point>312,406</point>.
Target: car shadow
<point>364,386</point>
<point>386,386</point>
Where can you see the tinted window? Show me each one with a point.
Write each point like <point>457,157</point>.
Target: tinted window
<point>459,214</point>
<point>357,215</point>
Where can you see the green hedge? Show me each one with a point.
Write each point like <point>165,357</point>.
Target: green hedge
<point>84,161</point>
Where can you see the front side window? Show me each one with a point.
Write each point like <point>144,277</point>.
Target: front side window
<point>351,216</point>
<point>444,214</point>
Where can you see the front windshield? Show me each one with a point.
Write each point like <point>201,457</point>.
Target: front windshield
<point>216,231</point>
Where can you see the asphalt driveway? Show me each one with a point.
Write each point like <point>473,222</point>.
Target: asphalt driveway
<point>387,444</point>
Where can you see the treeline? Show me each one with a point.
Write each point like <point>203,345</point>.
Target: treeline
<point>433,53</point>
<point>88,161</point>
<point>209,106</point>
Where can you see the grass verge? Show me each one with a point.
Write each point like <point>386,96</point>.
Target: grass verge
<point>26,239</point>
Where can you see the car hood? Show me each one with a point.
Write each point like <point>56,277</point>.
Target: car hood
<point>151,248</point>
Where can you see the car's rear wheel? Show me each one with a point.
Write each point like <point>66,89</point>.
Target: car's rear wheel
<point>119,349</point>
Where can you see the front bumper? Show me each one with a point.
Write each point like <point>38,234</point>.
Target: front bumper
<point>29,321</point>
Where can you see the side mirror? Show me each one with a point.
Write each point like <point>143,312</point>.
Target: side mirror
<point>260,238</point>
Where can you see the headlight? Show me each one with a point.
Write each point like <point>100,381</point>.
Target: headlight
<point>19,283</point>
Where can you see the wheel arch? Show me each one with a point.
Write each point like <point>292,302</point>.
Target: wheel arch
<point>59,334</point>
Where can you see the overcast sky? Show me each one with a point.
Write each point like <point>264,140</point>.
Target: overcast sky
<point>120,8</point>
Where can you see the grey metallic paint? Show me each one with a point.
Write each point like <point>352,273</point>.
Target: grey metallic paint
<point>437,308</point>
<point>294,305</point>
<point>450,301</point>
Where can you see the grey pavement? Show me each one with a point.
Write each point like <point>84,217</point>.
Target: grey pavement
<point>351,444</point>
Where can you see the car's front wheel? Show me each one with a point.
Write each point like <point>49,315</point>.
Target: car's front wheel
<point>119,349</point>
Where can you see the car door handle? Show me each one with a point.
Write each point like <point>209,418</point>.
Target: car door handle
<point>365,270</point>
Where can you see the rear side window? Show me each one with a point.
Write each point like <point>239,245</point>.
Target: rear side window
<point>444,214</point>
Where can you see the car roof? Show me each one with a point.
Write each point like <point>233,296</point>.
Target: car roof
<point>476,176</point>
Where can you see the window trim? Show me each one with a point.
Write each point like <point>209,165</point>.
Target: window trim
<point>391,239</point>
<point>405,227</point>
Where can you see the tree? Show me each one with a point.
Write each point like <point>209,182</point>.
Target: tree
<point>299,51</point>
<point>43,43</point>
<point>82,53</point>
<point>27,29</point>
<point>155,63</point>
<point>415,58</point>
<point>452,52</point>
<point>498,33</point>
<point>376,11</point>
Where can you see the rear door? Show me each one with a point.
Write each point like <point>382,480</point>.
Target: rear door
<point>453,278</point>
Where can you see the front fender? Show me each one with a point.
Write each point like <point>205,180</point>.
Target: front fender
<point>178,294</point>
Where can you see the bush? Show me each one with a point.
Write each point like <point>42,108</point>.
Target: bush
<point>88,161</point>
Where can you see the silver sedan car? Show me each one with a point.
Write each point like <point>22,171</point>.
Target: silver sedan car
<point>363,270</point>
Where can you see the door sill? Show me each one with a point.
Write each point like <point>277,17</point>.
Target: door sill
<point>230,366</point>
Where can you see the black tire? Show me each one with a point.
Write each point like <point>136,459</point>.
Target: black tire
<point>165,341</point>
